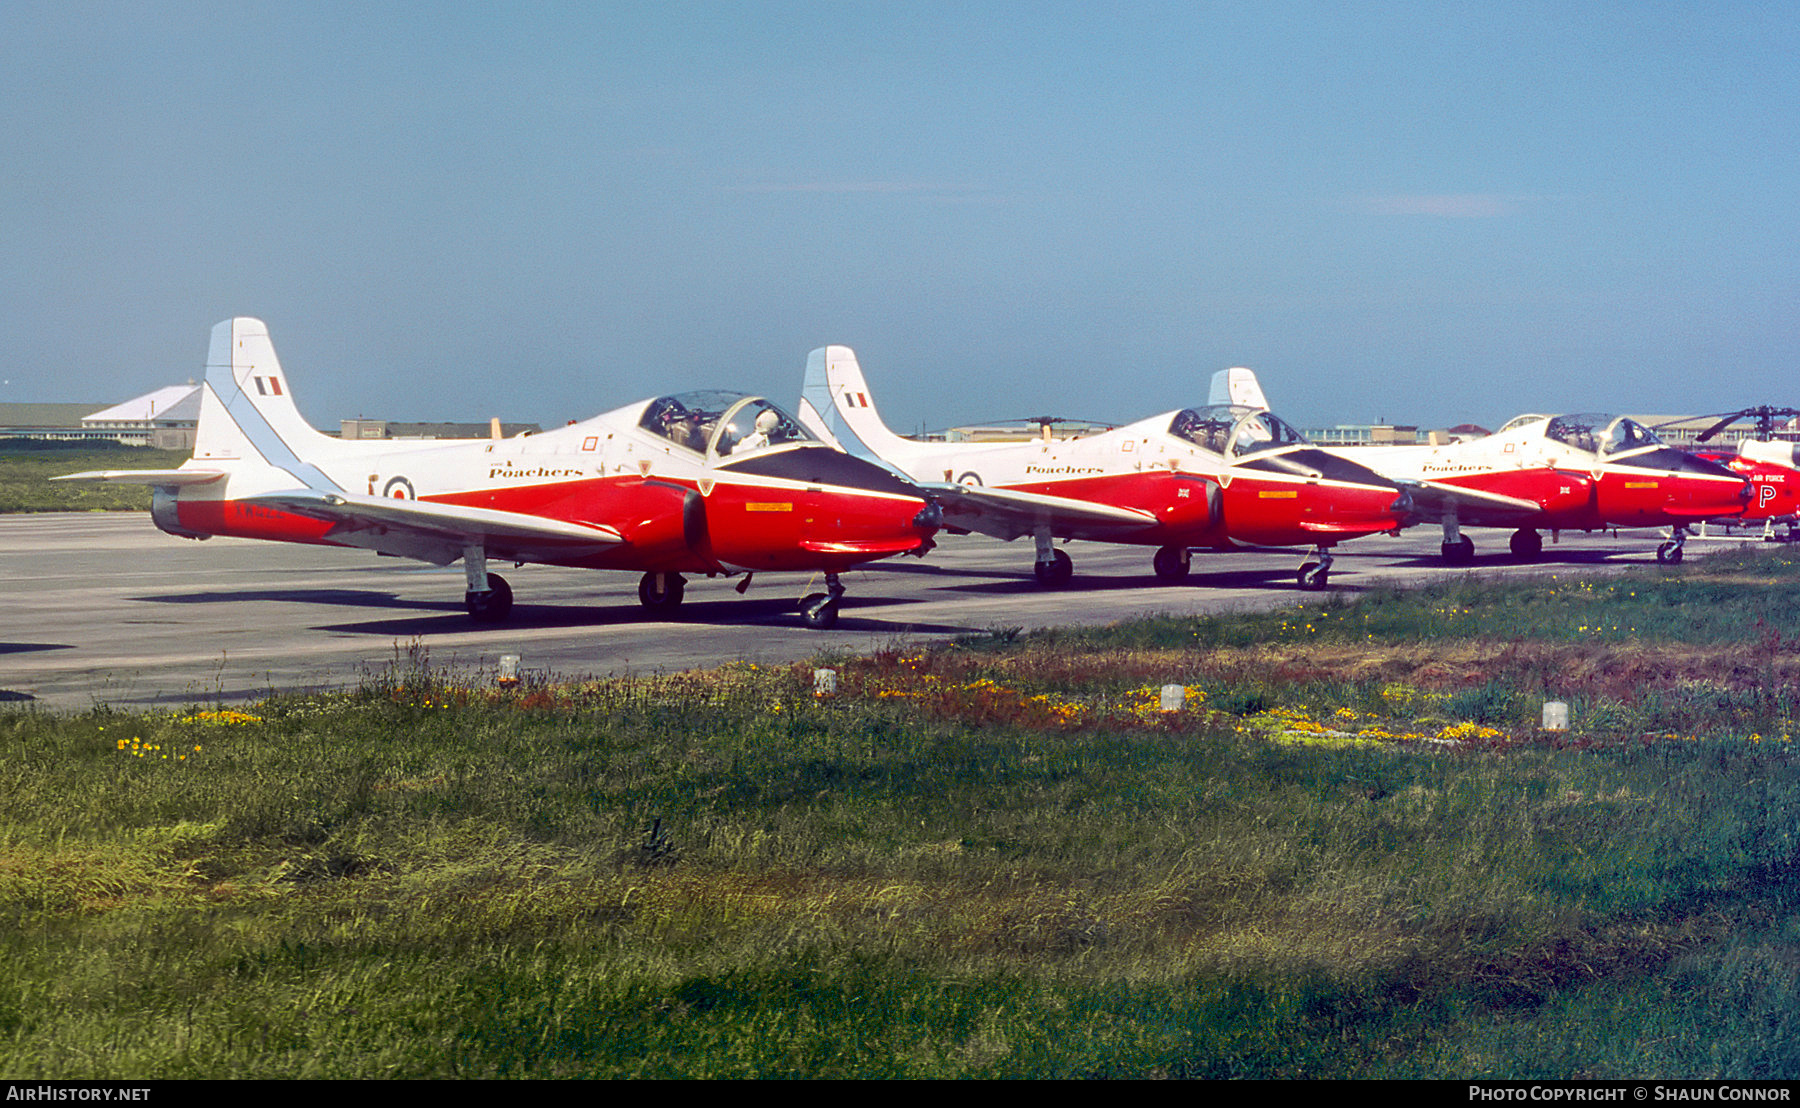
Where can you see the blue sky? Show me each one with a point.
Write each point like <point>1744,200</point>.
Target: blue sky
<point>1425,212</point>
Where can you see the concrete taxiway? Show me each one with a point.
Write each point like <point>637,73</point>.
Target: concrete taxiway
<point>105,609</point>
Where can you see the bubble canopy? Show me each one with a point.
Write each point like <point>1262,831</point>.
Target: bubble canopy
<point>1233,430</point>
<point>1599,433</point>
<point>722,424</point>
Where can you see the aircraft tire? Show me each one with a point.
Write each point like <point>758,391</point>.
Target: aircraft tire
<point>492,606</point>
<point>1313,576</point>
<point>1669,554</point>
<point>1527,545</point>
<point>1172,563</point>
<point>661,592</point>
<point>1056,572</point>
<point>1460,552</point>
<point>819,611</point>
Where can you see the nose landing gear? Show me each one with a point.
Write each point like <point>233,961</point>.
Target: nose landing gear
<point>820,610</point>
<point>1315,572</point>
<point>1669,553</point>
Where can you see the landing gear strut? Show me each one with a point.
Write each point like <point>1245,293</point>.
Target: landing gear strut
<point>1172,563</point>
<point>820,610</point>
<point>1669,553</point>
<point>492,605</point>
<point>488,598</point>
<point>1053,566</point>
<point>1458,548</point>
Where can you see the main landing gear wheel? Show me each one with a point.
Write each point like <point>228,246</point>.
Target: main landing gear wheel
<point>1172,563</point>
<point>493,605</point>
<point>819,611</point>
<point>1669,553</point>
<point>1056,572</point>
<point>661,592</point>
<point>1313,576</point>
<point>1459,553</point>
<point>1527,546</point>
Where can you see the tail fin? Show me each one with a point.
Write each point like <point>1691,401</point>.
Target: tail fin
<point>1237,386</point>
<point>836,405</point>
<point>247,409</point>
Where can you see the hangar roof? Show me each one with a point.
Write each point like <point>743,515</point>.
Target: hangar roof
<point>174,403</point>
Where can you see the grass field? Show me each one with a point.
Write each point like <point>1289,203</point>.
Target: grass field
<point>26,466</point>
<point>1350,854</point>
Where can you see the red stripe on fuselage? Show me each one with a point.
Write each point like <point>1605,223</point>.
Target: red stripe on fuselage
<point>1305,517</point>
<point>250,521</point>
<point>742,526</point>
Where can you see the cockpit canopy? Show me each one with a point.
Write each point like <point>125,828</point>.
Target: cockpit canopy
<point>1233,430</point>
<point>1519,421</point>
<point>722,424</point>
<point>1601,434</point>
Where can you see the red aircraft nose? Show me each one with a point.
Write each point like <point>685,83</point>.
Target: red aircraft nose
<point>1632,496</point>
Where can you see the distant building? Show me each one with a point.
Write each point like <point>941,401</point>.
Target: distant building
<point>393,429</point>
<point>1020,430</point>
<point>164,419</point>
<point>44,421</point>
<point>1364,434</point>
<point>168,418</point>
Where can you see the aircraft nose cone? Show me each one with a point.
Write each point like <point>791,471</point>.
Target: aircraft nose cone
<point>929,519</point>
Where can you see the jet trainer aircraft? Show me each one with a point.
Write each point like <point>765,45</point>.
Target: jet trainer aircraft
<point>698,482</point>
<point>1773,470</point>
<point>1582,472</point>
<point>1199,477</point>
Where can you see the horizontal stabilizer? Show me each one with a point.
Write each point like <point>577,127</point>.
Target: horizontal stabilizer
<point>450,522</point>
<point>164,478</point>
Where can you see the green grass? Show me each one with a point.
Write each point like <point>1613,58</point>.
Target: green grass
<point>26,466</point>
<point>1346,857</point>
<point>1743,596</point>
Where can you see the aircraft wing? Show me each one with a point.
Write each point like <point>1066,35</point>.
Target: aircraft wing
<point>162,477</point>
<point>1436,498</point>
<point>1009,513</point>
<point>447,523</point>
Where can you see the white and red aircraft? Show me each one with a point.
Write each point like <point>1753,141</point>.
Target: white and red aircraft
<point>1773,470</point>
<point>699,482</point>
<point>1771,465</point>
<point>1201,477</point>
<point>1584,472</point>
<point>1580,472</point>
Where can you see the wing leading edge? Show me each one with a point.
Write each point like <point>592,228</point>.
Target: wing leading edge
<point>451,525</point>
<point>1008,513</point>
